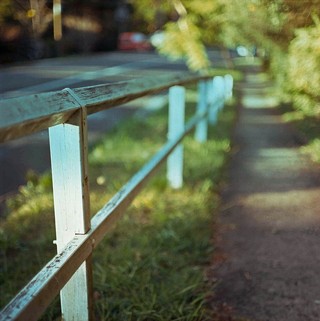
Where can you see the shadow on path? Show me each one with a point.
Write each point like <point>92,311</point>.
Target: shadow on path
<point>267,256</point>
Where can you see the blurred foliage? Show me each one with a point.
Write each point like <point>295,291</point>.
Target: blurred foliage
<point>33,15</point>
<point>249,22</point>
<point>304,69</point>
<point>6,10</point>
<point>313,150</point>
<point>176,45</point>
<point>188,26</point>
<point>284,32</point>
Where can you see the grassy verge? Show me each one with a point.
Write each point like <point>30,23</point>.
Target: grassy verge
<point>308,128</point>
<point>151,265</point>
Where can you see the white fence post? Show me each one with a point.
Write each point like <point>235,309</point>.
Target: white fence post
<point>228,80</point>
<point>176,127</point>
<point>68,146</point>
<point>216,98</point>
<point>201,132</point>
<point>220,87</point>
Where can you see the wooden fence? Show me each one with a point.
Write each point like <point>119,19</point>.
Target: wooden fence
<point>64,114</point>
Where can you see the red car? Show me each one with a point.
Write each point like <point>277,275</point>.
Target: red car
<point>135,41</point>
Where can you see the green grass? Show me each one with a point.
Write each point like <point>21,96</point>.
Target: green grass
<point>151,266</point>
<point>308,129</point>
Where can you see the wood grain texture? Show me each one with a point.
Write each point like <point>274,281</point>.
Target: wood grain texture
<point>69,149</point>
<point>25,115</point>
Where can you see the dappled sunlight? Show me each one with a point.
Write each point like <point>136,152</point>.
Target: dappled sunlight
<point>284,210</point>
<point>260,93</point>
<point>277,153</point>
<point>270,215</point>
<point>265,120</point>
<point>256,78</point>
<point>277,169</point>
<point>251,101</point>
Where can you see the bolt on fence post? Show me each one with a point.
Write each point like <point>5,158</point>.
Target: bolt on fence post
<point>68,147</point>
<point>176,127</point>
<point>201,132</point>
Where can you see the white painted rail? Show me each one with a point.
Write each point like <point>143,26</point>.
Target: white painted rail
<point>64,113</point>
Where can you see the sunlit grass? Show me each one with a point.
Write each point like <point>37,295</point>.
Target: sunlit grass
<point>313,150</point>
<point>151,265</point>
<point>156,271</point>
<point>308,131</point>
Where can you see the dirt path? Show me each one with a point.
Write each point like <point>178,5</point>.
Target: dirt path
<point>267,261</point>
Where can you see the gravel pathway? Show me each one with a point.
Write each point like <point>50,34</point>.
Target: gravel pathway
<point>267,258</point>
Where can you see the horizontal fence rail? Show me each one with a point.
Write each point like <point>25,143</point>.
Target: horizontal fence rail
<point>64,113</point>
<point>23,116</point>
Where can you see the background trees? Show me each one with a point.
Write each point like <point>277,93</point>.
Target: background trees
<point>287,32</point>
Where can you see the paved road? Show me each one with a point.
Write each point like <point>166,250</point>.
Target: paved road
<point>78,71</point>
<point>267,256</point>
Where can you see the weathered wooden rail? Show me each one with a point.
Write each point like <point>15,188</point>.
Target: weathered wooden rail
<point>64,113</point>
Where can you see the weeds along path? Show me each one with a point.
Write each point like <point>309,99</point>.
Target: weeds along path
<point>267,257</point>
